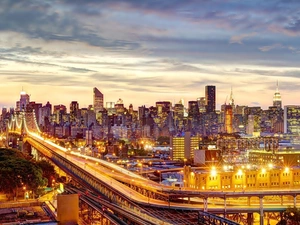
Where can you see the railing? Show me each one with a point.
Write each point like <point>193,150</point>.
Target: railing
<point>208,218</point>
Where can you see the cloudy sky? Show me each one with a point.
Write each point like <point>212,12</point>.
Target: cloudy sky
<point>146,51</point>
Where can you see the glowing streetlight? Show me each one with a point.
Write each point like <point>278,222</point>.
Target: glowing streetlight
<point>213,171</point>
<point>286,169</point>
<point>184,161</point>
<point>270,165</point>
<point>240,172</point>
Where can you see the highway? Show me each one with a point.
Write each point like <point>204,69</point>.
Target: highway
<point>111,174</point>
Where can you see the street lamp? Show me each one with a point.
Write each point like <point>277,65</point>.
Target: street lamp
<point>184,161</point>
<point>213,171</point>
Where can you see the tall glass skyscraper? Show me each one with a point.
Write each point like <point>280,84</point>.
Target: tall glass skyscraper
<point>210,98</point>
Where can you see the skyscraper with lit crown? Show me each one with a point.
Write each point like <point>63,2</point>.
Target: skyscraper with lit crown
<point>24,101</point>
<point>277,98</point>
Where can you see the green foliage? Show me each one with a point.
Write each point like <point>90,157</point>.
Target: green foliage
<point>141,152</point>
<point>121,142</point>
<point>8,153</point>
<point>48,171</point>
<point>17,172</point>
<point>163,140</point>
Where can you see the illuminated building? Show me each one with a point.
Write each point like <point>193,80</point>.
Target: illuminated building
<point>74,111</point>
<point>184,147</point>
<point>98,100</point>
<point>228,119</point>
<point>277,98</point>
<point>110,107</point>
<point>193,109</point>
<point>24,101</point>
<point>119,131</point>
<point>141,113</point>
<point>178,115</point>
<point>119,106</point>
<point>210,98</point>
<point>163,110</point>
<point>34,107</point>
<point>291,158</point>
<point>222,178</point>
<point>240,109</point>
<point>130,110</point>
<point>253,126</point>
<point>230,143</point>
<point>201,104</point>
<point>163,107</point>
<point>292,119</point>
<point>58,112</point>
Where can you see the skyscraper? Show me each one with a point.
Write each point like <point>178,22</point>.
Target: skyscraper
<point>74,110</point>
<point>59,111</point>
<point>193,109</point>
<point>178,115</point>
<point>228,119</point>
<point>201,104</point>
<point>98,100</point>
<point>24,101</point>
<point>210,98</point>
<point>277,98</point>
<point>292,119</point>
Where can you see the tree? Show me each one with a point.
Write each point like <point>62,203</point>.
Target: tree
<point>48,171</point>
<point>17,172</point>
<point>9,153</point>
<point>163,140</point>
<point>291,216</point>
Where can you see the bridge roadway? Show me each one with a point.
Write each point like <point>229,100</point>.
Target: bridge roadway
<point>152,194</point>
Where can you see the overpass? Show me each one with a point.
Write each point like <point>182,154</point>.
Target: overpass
<point>135,193</point>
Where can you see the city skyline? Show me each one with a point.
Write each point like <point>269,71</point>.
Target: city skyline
<point>146,52</point>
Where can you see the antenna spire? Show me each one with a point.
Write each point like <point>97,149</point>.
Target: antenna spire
<point>231,100</point>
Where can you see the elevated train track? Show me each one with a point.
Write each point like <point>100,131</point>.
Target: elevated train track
<point>152,196</point>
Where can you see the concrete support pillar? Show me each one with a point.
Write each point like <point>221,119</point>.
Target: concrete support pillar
<point>249,218</point>
<point>102,220</point>
<point>225,207</point>
<point>205,204</point>
<point>261,211</point>
<point>248,200</point>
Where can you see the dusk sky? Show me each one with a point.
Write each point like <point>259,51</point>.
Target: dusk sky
<point>148,51</point>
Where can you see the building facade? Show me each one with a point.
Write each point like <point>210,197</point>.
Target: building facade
<point>292,119</point>
<point>210,98</point>
<point>98,100</point>
<point>184,147</point>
